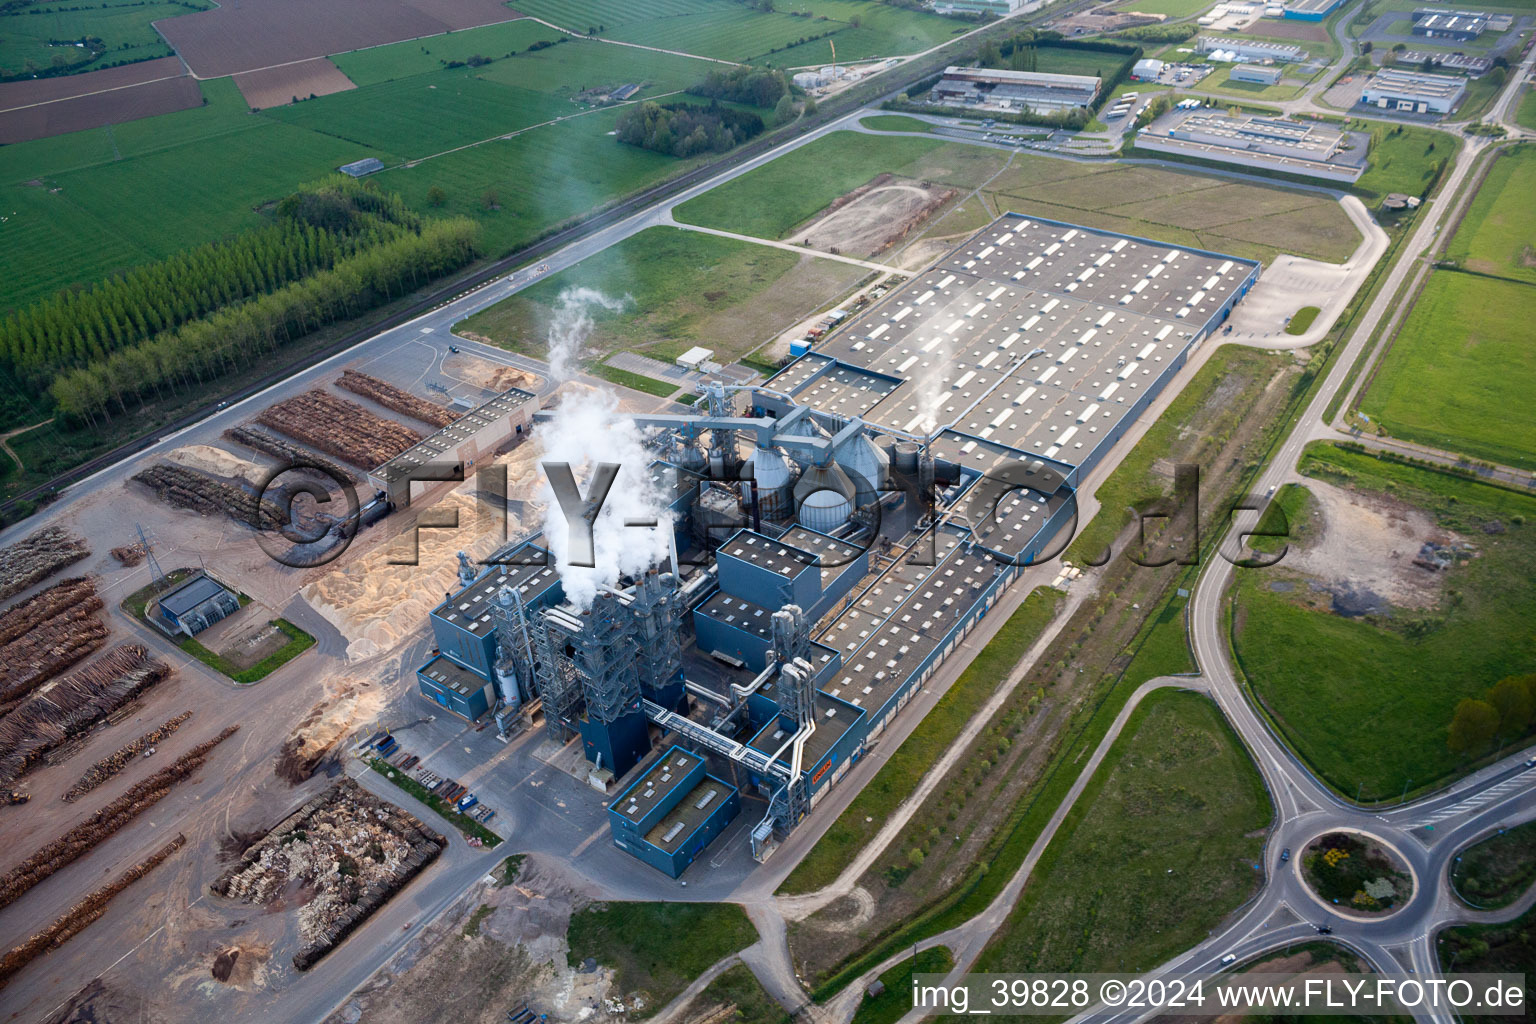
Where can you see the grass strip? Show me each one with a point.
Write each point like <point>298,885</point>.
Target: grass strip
<point>467,826</point>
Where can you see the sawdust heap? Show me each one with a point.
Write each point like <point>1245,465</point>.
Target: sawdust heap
<point>485,374</point>
<point>219,462</point>
<point>350,700</point>
<point>375,604</point>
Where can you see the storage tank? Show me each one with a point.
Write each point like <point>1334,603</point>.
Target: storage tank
<point>824,510</point>
<point>773,477</point>
<point>866,465</point>
<point>905,461</point>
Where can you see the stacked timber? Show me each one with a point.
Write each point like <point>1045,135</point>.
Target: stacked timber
<point>45,634</point>
<point>70,706</point>
<point>186,488</point>
<point>37,557</point>
<point>391,397</point>
<point>78,917</point>
<point>111,765</point>
<point>286,451</point>
<point>335,426</point>
<point>96,829</point>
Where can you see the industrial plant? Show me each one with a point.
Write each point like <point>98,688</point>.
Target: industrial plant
<point>826,538</point>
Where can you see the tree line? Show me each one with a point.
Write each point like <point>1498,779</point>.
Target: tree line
<point>1506,712</point>
<point>315,228</point>
<point>237,336</point>
<point>685,129</point>
<point>752,86</point>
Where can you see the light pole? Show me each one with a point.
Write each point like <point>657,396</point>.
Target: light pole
<point>1403,799</point>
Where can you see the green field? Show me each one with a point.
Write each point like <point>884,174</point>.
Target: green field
<point>1459,373</point>
<point>1177,207</point>
<point>728,30</point>
<point>425,114</point>
<point>1525,112</point>
<point>656,949</point>
<point>194,176</point>
<point>1367,703</point>
<point>1498,234</point>
<point>123,26</point>
<point>1403,158</point>
<point>895,123</point>
<point>203,174</point>
<point>1160,846</point>
<point>1220,81</point>
<point>682,288</point>
<point>562,70</point>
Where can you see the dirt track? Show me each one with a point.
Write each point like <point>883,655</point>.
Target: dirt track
<point>258,34</point>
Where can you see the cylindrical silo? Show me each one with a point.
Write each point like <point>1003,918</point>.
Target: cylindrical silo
<point>824,511</point>
<point>773,477</point>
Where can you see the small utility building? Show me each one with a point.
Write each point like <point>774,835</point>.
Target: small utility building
<point>672,812</point>
<point>193,605</point>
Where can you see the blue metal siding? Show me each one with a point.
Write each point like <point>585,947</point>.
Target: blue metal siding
<point>714,635</point>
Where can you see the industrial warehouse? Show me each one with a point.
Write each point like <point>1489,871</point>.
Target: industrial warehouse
<point>1413,91</point>
<point>1311,148</point>
<point>834,533</point>
<point>1034,91</point>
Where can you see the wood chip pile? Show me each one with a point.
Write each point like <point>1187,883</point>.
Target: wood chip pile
<point>95,830</point>
<point>353,849</point>
<point>78,917</point>
<point>187,488</point>
<point>341,428</point>
<point>45,634</point>
<point>37,557</point>
<point>285,450</point>
<point>391,397</point>
<point>72,705</point>
<point>109,766</point>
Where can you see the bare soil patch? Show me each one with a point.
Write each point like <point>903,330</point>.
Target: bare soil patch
<point>94,110</point>
<point>235,38</point>
<point>1368,542</point>
<point>46,90</point>
<point>874,216</point>
<point>279,86</point>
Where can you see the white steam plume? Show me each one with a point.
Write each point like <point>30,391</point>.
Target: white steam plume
<point>587,429</point>
<point>571,325</point>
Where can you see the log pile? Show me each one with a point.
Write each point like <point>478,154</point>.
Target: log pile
<point>45,634</point>
<point>341,428</point>
<point>70,706</point>
<point>354,849</point>
<point>75,920</point>
<point>391,397</point>
<point>37,557</point>
<point>129,554</point>
<point>285,451</point>
<point>95,830</point>
<point>187,488</point>
<point>109,766</point>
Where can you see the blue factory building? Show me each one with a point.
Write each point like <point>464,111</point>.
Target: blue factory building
<point>672,811</point>
<point>454,687</point>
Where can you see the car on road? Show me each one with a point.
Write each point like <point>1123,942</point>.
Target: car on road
<point>1285,855</point>
<point>1530,762</point>
<point>1229,958</point>
<point>1324,929</point>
